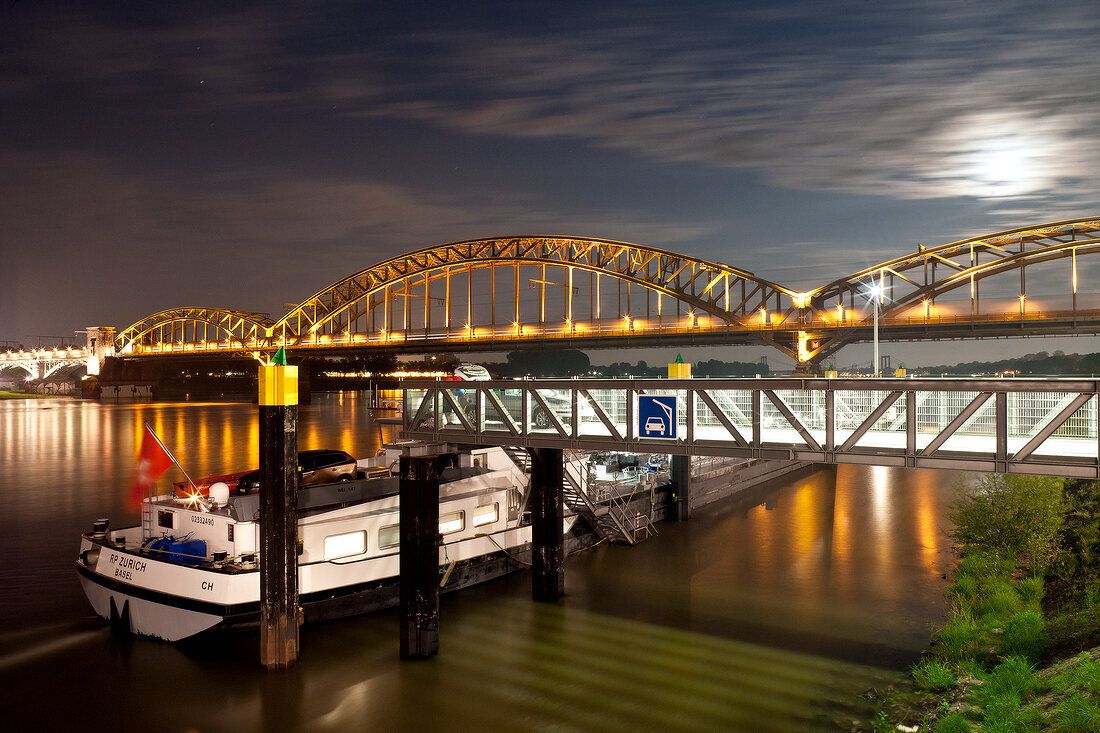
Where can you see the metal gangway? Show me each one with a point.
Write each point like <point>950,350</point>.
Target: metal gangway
<point>1025,426</point>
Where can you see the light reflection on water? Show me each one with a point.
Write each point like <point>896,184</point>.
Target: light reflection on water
<point>773,610</point>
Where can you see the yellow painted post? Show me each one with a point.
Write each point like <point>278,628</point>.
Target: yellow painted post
<point>679,369</point>
<point>279,613</point>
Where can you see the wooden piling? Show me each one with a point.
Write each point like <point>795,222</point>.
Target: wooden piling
<point>279,612</point>
<point>420,540</point>
<point>547,534</point>
<point>680,476</point>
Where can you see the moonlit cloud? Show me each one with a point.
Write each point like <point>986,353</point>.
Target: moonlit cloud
<point>1002,105</point>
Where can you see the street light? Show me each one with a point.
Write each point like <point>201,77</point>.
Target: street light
<point>877,290</point>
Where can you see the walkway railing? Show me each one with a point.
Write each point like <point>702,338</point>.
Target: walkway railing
<point>1002,425</point>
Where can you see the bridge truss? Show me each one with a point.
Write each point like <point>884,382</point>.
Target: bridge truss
<point>490,294</point>
<point>911,284</point>
<point>511,287</point>
<point>1044,427</point>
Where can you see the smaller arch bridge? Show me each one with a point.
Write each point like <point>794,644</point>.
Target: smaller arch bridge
<point>195,329</point>
<point>42,363</point>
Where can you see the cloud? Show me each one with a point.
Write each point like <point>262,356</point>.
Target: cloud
<point>927,102</point>
<point>911,101</point>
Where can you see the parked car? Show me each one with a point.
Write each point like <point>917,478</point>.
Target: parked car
<point>322,466</point>
<point>512,399</point>
<point>472,372</point>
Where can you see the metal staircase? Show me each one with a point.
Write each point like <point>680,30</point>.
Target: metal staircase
<point>604,508</point>
<point>520,457</point>
<point>608,515</point>
<point>601,518</point>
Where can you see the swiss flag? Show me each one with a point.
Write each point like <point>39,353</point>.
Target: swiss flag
<point>153,460</point>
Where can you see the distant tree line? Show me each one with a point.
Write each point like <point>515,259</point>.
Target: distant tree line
<point>557,363</point>
<point>574,363</point>
<point>1041,363</point>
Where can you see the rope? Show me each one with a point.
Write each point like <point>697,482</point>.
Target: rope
<point>494,541</point>
<point>582,549</point>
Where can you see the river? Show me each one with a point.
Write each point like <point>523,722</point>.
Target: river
<point>773,610</point>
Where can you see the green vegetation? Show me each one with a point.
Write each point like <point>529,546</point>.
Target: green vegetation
<point>1025,594</point>
<point>1017,518</point>
<point>953,723</point>
<point>933,675</point>
<point>9,395</point>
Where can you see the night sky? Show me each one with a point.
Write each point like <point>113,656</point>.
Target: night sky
<point>247,155</point>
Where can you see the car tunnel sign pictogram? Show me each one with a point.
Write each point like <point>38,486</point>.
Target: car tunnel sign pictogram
<point>657,416</point>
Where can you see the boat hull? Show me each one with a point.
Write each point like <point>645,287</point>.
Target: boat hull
<point>143,595</point>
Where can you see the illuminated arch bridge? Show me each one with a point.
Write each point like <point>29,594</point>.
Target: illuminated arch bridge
<point>493,294</point>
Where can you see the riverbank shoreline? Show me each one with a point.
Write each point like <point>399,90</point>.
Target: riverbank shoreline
<point>1020,650</point>
<point>9,395</point>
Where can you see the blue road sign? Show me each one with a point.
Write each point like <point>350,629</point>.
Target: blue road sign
<point>657,416</point>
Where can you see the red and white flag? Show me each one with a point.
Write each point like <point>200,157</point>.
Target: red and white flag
<point>153,460</point>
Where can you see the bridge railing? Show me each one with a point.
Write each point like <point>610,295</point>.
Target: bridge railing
<point>1004,425</point>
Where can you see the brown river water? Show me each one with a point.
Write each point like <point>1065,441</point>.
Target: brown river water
<point>773,610</point>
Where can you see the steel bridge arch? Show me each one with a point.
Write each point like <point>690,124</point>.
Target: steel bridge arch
<point>912,279</point>
<point>331,310</point>
<point>239,328</point>
<point>1033,245</point>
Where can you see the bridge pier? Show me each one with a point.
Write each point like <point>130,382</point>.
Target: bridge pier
<point>101,345</point>
<point>420,468</point>
<point>547,514</point>
<point>680,476</point>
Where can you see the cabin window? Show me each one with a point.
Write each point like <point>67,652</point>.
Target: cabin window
<point>389,536</point>
<point>165,519</point>
<point>485,515</point>
<point>452,522</point>
<point>345,545</point>
<point>230,532</point>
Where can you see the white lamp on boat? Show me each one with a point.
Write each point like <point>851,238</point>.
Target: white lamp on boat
<point>219,494</point>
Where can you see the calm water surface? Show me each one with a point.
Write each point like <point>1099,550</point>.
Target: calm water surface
<point>770,611</point>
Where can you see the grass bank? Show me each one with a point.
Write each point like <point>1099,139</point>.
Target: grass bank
<point>1020,651</point>
<point>9,395</point>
